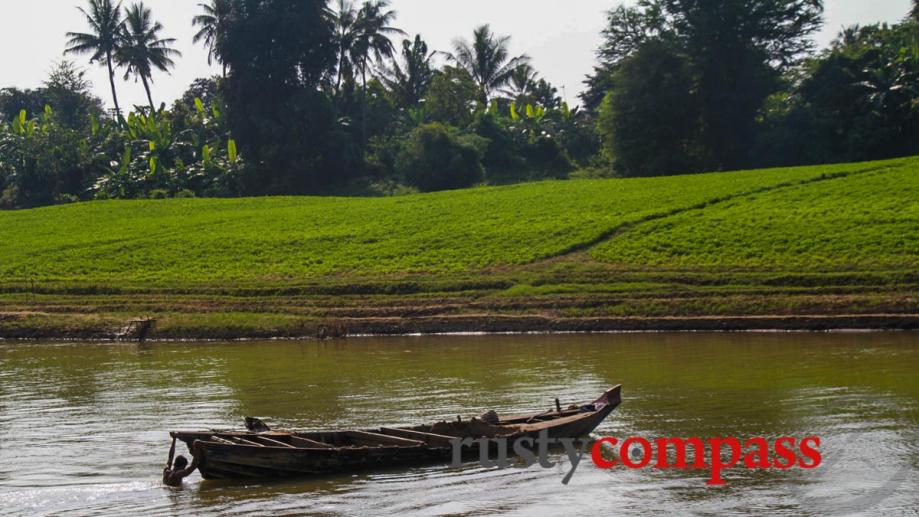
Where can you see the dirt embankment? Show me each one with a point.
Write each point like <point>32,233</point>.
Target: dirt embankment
<point>464,324</point>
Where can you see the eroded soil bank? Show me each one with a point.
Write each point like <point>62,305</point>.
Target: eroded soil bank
<point>549,298</point>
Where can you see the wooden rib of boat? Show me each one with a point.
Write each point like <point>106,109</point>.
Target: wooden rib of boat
<point>276,454</point>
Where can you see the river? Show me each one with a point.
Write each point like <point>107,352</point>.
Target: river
<point>84,426</point>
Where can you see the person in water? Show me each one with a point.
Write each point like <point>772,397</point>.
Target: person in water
<point>177,470</point>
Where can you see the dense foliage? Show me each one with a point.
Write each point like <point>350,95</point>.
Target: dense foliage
<point>858,100</point>
<point>722,84</point>
<point>320,97</point>
<point>66,89</point>
<point>648,125</point>
<point>435,158</point>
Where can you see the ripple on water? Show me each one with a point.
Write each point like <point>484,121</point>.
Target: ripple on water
<point>83,426</point>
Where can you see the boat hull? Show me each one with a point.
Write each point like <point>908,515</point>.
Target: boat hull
<point>275,455</point>
<point>220,461</point>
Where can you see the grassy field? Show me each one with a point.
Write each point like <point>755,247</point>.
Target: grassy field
<point>827,241</point>
<point>864,221</point>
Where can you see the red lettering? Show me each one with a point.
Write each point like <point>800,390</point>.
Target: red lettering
<point>725,453</point>
<point>645,453</point>
<point>810,453</point>
<point>717,464</point>
<point>679,445</point>
<point>596,453</point>
<point>758,459</point>
<point>785,452</point>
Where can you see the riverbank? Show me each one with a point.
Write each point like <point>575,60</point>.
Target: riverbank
<point>806,248</point>
<point>76,330</point>
<point>572,296</point>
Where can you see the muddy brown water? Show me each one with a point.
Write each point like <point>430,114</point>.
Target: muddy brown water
<point>84,426</point>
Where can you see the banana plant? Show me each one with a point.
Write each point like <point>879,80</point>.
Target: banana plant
<point>18,149</point>
<point>119,183</point>
<point>531,123</point>
<point>217,170</point>
<point>23,126</point>
<point>34,154</point>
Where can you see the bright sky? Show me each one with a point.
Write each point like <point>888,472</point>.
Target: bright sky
<point>560,36</point>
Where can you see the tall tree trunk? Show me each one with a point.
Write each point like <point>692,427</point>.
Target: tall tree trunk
<point>341,71</point>
<point>111,78</point>
<point>364,106</point>
<point>143,79</point>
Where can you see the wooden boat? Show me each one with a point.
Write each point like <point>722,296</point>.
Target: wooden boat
<point>276,454</point>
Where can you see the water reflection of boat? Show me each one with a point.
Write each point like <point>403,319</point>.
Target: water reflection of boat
<point>277,454</point>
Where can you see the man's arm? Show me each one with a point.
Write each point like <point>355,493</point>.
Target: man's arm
<point>172,453</point>
<point>194,462</point>
<point>191,468</point>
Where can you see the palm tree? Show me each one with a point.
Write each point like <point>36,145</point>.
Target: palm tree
<point>361,36</point>
<point>487,59</point>
<point>344,17</point>
<point>374,22</point>
<point>849,36</point>
<point>521,82</point>
<point>103,42</point>
<point>373,31</point>
<point>409,82</point>
<point>143,49</point>
<point>888,89</point>
<point>211,21</point>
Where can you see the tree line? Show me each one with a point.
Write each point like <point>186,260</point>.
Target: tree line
<point>333,98</point>
<point>696,85</point>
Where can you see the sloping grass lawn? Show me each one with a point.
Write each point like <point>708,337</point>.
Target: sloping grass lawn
<point>807,248</point>
<point>801,217</point>
<point>865,221</point>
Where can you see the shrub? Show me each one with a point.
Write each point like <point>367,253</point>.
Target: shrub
<point>649,122</point>
<point>159,194</point>
<point>452,98</point>
<point>502,158</point>
<point>8,198</point>
<point>185,194</point>
<point>547,159</point>
<point>435,157</point>
<point>63,199</point>
<point>526,145</point>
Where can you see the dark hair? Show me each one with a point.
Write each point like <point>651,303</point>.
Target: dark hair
<point>180,463</point>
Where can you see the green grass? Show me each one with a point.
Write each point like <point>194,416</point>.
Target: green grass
<point>865,221</point>
<point>282,239</point>
<point>835,240</point>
